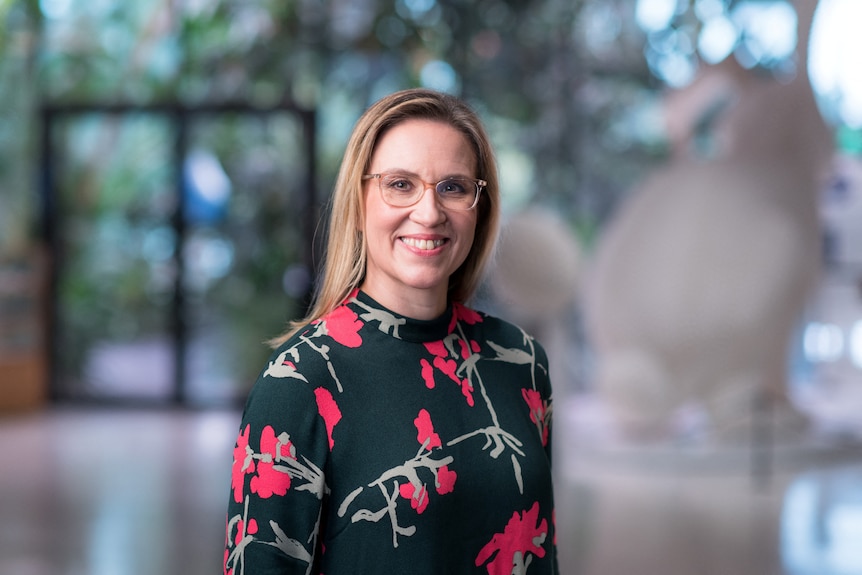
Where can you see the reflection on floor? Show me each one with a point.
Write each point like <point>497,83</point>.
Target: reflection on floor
<point>766,507</point>
<point>121,492</point>
<point>114,492</point>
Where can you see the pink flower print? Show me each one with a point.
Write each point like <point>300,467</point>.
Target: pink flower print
<point>445,480</point>
<point>426,431</point>
<point>427,373</point>
<point>418,497</point>
<point>328,410</point>
<point>351,295</point>
<point>449,367</point>
<point>225,570</point>
<point>465,314</point>
<point>270,481</point>
<point>465,349</point>
<point>343,325</point>
<point>520,537</point>
<point>243,463</point>
<point>538,411</point>
<point>245,531</point>
<point>283,367</point>
<point>250,530</point>
<point>437,348</point>
<point>467,391</point>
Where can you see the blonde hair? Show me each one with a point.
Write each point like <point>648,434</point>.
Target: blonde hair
<point>345,257</point>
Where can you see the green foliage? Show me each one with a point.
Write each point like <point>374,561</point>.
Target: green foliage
<point>552,102</point>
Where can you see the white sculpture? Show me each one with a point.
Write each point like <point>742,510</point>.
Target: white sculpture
<point>699,280</point>
<point>537,266</point>
<point>534,282</point>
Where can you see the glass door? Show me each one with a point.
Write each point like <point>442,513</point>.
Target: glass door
<point>181,244</point>
<point>114,256</point>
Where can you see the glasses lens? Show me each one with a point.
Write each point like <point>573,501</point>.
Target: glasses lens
<point>457,193</point>
<point>400,190</point>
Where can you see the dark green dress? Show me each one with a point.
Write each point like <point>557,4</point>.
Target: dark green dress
<point>374,443</point>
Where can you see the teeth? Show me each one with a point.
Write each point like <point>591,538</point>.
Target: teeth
<point>423,244</point>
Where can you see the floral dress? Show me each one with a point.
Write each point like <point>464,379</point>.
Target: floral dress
<point>374,443</point>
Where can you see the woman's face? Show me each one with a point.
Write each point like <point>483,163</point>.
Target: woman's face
<point>412,251</point>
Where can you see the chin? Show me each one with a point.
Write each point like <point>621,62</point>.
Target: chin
<point>424,277</point>
<point>427,282</point>
<point>427,285</point>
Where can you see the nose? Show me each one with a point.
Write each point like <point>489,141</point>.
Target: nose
<point>428,211</point>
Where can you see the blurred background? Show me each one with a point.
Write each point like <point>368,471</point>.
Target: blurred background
<point>682,185</point>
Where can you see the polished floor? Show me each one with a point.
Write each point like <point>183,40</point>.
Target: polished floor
<point>114,492</point>
<point>128,492</point>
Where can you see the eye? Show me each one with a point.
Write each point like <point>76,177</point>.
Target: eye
<point>398,184</point>
<point>454,187</point>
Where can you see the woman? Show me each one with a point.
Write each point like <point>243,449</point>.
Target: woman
<point>396,430</point>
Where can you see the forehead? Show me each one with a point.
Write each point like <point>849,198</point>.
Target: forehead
<point>419,144</point>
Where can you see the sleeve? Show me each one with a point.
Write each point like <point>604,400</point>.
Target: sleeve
<point>543,386</point>
<point>277,480</point>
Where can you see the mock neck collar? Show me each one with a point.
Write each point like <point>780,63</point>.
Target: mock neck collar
<point>400,326</point>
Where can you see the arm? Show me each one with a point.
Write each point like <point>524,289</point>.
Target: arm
<point>277,481</point>
<point>543,382</point>
<point>544,408</point>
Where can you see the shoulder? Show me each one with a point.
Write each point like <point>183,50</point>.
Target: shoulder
<point>306,358</point>
<point>496,329</point>
<point>505,342</point>
<point>296,364</point>
<point>284,360</point>
<point>292,391</point>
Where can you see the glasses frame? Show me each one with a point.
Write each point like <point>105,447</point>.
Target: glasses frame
<point>480,185</point>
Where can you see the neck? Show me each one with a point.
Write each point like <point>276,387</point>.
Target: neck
<point>422,304</point>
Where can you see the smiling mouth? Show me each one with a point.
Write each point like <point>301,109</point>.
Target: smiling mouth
<point>423,244</point>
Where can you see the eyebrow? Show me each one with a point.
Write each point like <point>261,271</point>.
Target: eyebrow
<point>401,172</point>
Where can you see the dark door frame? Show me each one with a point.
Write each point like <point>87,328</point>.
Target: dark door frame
<point>180,116</point>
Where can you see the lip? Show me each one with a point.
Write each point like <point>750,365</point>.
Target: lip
<point>424,244</point>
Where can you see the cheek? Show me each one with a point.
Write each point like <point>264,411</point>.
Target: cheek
<point>378,219</point>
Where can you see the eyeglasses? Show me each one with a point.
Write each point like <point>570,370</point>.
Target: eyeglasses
<point>403,190</point>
